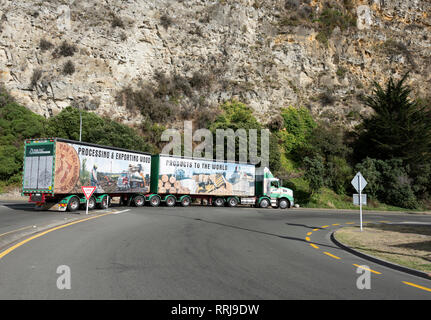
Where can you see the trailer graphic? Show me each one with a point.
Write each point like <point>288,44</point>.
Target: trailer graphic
<point>58,168</point>
<point>55,170</point>
<point>203,177</point>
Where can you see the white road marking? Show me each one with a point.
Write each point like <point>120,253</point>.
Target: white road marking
<point>117,212</point>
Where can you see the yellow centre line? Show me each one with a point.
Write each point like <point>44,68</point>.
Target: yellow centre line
<point>362,267</point>
<point>308,234</point>
<point>307,238</point>
<point>417,286</point>
<point>336,224</point>
<point>331,255</point>
<point>19,244</point>
<point>316,229</point>
<point>324,227</point>
<point>314,246</point>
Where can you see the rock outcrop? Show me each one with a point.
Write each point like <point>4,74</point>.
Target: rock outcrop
<point>269,54</point>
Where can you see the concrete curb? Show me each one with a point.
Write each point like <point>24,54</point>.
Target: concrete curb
<point>380,261</point>
<point>366,211</point>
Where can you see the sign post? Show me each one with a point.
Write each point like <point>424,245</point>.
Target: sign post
<point>359,184</point>
<point>88,192</point>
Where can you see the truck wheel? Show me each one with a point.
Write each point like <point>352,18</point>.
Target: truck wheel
<point>185,202</point>
<point>91,203</point>
<point>283,204</point>
<point>232,202</point>
<point>170,201</point>
<point>139,201</point>
<point>104,204</point>
<point>155,201</point>
<point>73,204</point>
<point>218,202</point>
<point>264,203</point>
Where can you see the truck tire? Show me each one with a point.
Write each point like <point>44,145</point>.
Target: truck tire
<point>170,201</point>
<point>185,202</point>
<point>104,204</point>
<point>73,204</point>
<point>218,202</point>
<point>264,203</point>
<point>283,204</point>
<point>91,203</point>
<point>139,201</point>
<point>232,202</point>
<point>155,201</point>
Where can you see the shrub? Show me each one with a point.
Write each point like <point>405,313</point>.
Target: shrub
<point>331,18</point>
<point>341,72</point>
<point>68,68</point>
<point>314,173</point>
<point>36,76</point>
<point>45,45</point>
<point>297,127</point>
<point>65,50</point>
<point>389,182</point>
<point>326,98</point>
<point>166,21</point>
<point>17,123</point>
<point>117,22</point>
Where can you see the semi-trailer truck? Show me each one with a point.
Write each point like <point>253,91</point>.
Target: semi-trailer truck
<point>55,169</point>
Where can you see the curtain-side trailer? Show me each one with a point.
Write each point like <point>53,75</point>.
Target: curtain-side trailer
<point>181,180</point>
<point>55,169</point>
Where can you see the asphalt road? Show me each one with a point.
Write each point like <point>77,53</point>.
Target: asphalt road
<point>195,253</point>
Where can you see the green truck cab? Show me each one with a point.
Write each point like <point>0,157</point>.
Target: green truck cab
<point>269,191</point>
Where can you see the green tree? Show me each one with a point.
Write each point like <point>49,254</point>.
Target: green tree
<point>389,182</point>
<point>297,128</point>
<point>96,130</point>
<point>17,123</point>
<point>314,173</point>
<point>399,128</point>
<point>236,115</point>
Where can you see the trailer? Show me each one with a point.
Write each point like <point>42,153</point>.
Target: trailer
<point>182,180</point>
<point>55,170</point>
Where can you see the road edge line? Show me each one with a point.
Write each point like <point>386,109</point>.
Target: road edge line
<point>380,261</point>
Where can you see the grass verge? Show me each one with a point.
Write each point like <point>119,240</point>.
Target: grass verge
<point>405,245</point>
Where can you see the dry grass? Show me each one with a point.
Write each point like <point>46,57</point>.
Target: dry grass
<point>406,245</point>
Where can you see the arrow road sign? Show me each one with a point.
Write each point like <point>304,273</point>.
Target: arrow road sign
<point>359,182</point>
<point>88,191</point>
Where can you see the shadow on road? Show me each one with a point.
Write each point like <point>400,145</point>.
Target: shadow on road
<point>18,206</point>
<point>251,230</point>
<point>303,225</point>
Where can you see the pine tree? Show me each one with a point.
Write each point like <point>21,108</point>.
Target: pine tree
<point>399,128</point>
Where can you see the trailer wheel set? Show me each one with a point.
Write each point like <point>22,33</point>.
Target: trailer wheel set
<point>155,200</point>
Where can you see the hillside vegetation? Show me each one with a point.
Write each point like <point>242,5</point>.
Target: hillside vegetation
<point>392,147</point>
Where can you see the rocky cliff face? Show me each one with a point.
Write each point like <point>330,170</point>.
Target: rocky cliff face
<point>266,53</point>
